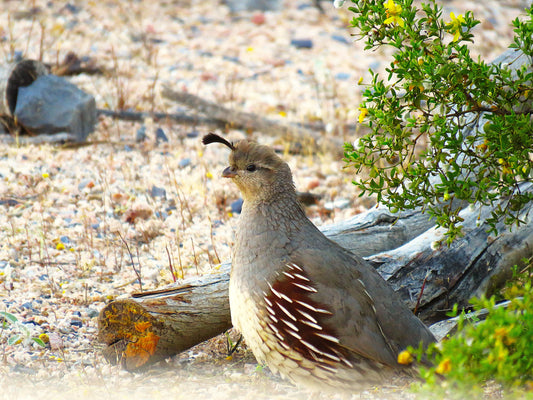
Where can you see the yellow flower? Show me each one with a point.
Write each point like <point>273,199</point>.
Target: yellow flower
<point>393,13</point>
<point>46,175</point>
<point>360,80</point>
<point>363,114</point>
<point>455,26</point>
<point>444,366</point>
<point>501,332</point>
<point>405,358</point>
<point>44,337</point>
<point>60,246</point>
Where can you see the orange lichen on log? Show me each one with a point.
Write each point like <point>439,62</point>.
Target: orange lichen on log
<point>139,352</point>
<point>142,325</point>
<point>128,323</point>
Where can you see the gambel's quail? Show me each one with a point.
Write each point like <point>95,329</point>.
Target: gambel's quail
<point>316,313</point>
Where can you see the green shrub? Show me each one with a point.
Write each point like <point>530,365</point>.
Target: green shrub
<point>436,90</point>
<point>497,350</point>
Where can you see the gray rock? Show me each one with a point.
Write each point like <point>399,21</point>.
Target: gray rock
<point>253,5</point>
<point>160,136</point>
<point>184,162</point>
<point>140,136</point>
<point>158,192</point>
<point>51,104</point>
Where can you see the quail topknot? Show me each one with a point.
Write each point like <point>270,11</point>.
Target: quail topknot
<point>311,310</point>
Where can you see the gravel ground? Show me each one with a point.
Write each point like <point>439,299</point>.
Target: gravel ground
<point>64,211</point>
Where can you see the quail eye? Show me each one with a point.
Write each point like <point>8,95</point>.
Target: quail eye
<point>251,167</point>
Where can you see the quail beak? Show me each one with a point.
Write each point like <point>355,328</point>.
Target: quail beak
<point>229,172</point>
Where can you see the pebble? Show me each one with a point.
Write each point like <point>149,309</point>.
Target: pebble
<point>160,136</point>
<point>140,135</point>
<point>302,43</point>
<point>184,162</point>
<point>91,312</point>
<point>21,369</point>
<point>84,183</point>
<point>158,192</point>
<point>340,39</point>
<point>258,19</point>
<point>76,322</point>
<point>232,59</point>
<point>342,76</point>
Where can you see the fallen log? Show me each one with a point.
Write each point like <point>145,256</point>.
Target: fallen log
<point>250,122</point>
<point>150,326</point>
<point>194,120</point>
<point>155,325</point>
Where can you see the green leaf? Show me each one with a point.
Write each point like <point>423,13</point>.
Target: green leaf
<point>15,339</point>
<point>38,341</point>
<point>8,316</point>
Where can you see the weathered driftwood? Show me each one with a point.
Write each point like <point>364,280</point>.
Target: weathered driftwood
<point>14,76</point>
<point>250,122</point>
<point>429,277</point>
<point>195,120</point>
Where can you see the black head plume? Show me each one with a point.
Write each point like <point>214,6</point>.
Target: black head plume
<point>214,138</point>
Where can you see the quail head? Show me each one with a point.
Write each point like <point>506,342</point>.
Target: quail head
<point>311,310</point>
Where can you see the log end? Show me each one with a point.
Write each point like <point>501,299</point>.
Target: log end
<point>130,333</point>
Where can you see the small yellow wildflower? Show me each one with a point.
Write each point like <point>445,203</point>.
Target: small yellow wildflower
<point>393,13</point>
<point>444,366</point>
<point>363,114</point>
<point>483,146</point>
<point>455,26</point>
<point>60,246</point>
<point>282,114</point>
<point>360,81</point>
<point>209,175</point>
<point>44,337</point>
<point>506,170</point>
<point>501,332</point>
<point>405,358</point>
<point>46,175</point>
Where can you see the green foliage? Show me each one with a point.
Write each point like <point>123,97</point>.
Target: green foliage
<point>424,148</point>
<point>17,331</point>
<point>498,349</point>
